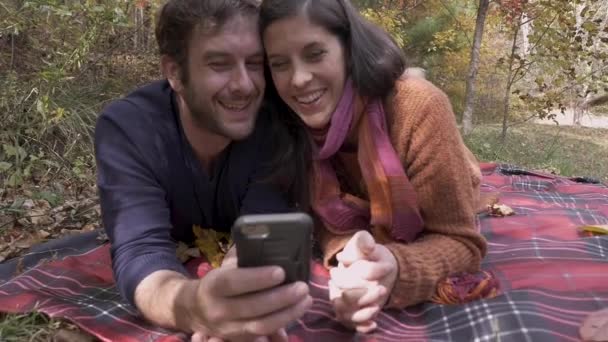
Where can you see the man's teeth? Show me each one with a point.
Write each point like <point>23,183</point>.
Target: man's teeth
<point>235,106</point>
<point>308,99</point>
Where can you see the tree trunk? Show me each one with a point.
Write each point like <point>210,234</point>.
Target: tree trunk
<point>525,33</point>
<point>510,79</point>
<point>467,116</point>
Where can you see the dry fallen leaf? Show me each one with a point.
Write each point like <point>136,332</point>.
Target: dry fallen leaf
<point>26,241</point>
<point>500,210</point>
<point>89,227</point>
<point>43,204</point>
<point>212,244</point>
<point>39,217</point>
<point>43,234</point>
<point>595,229</point>
<point>24,221</point>
<point>6,251</point>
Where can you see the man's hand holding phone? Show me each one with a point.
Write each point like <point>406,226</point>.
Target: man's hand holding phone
<point>255,303</point>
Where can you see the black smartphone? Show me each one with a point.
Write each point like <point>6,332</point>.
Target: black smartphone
<point>275,239</point>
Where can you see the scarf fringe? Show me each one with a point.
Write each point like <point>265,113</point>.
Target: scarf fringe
<point>466,287</point>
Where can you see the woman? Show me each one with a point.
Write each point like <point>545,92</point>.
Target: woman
<point>393,187</point>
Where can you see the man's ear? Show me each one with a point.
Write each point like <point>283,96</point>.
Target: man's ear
<point>172,71</point>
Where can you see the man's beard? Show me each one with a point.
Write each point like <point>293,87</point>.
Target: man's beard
<point>202,114</point>
<point>205,118</point>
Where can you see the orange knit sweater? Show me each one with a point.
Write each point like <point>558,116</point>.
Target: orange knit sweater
<point>446,177</point>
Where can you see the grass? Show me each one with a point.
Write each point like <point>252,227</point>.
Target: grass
<point>27,327</point>
<point>569,151</point>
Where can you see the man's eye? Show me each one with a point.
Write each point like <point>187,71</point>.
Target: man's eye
<point>219,65</point>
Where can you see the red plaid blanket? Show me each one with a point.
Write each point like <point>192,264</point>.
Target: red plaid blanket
<point>551,278</point>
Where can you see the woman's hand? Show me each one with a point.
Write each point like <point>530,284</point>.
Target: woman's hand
<point>362,282</point>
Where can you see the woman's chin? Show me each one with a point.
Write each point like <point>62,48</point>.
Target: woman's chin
<point>316,122</point>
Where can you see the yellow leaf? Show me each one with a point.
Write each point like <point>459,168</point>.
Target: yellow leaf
<point>597,229</point>
<point>198,231</point>
<point>212,244</point>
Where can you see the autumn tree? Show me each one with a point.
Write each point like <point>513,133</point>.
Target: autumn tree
<point>467,116</point>
<point>560,58</point>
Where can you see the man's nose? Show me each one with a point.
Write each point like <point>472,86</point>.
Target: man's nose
<point>241,81</point>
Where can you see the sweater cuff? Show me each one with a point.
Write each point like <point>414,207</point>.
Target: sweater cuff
<point>410,287</point>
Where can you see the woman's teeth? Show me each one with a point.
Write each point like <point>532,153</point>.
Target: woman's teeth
<point>310,98</point>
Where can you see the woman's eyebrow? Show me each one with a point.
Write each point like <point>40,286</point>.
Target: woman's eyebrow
<point>306,47</point>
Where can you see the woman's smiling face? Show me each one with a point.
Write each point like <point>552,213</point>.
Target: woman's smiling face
<point>308,67</point>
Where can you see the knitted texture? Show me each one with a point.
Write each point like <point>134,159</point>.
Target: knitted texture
<point>446,178</point>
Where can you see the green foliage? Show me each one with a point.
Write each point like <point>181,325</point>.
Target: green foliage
<point>391,19</point>
<point>566,60</point>
<point>422,32</point>
<point>63,61</point>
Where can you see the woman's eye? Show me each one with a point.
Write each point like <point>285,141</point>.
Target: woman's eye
<point>278,64</point>
<point>316,55</point>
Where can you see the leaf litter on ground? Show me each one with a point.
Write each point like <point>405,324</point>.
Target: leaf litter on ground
<point>34,214</point>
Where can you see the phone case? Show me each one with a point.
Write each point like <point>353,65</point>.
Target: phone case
<point>275,239</point>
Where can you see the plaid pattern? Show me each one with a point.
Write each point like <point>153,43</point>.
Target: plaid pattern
<point>551,277</point>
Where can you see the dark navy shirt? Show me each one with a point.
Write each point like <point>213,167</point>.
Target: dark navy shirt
<point>153,188</point>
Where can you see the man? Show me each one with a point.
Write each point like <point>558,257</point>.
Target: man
<point>192,150</point>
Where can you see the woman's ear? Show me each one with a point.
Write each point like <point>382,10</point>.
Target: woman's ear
<point>172,71</point>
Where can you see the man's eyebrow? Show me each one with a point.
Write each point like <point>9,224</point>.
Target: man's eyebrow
<point>222,54</point>
<point>215,54</point>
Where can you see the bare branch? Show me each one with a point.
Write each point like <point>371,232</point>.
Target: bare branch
<point>12,52</point>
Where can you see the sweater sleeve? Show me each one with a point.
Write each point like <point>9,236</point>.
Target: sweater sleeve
<point>446,178</point>
<point>135,212</point>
